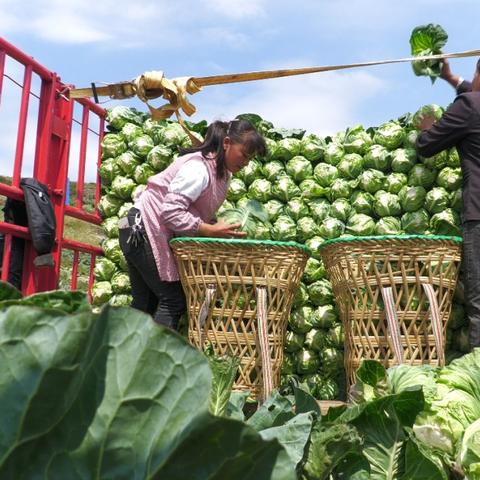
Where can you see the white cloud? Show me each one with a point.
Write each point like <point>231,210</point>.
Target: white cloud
<point>237,9</point>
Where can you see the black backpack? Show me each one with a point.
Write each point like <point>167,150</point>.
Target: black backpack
<point>41,217</point>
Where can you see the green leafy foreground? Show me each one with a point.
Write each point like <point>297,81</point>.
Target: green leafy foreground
<point>113,395</point>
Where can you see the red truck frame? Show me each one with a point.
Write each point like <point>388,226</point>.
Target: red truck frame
<point>53,146</point>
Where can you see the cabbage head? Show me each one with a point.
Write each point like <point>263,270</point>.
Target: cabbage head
<point>296,209</point>
<point>325,174</point>
<point>104,269</point>
<point>250,216</point>
<point>313,244</point>
<point>431,110</point>
<point>456,200</point>
<point>108,171</point>
<point>324,316</point>
<point>319,209</point>
<point>110,227</point>
<point>127,162</point>
<point>130,131</point>
<point>274,208</point>
<point>436,162</point>
<point>236,190</point>
<point>306,228</point>
<point>300,320</point>
<point>334,153</point>
<point>377,157</point>
<point>388,226</point>
<point>143,172</point>
<point>412,198</point>
<point>421,176</point>
<point>111,248</point>
<point>320,292</point>
<point>109,205</point>
<point>453,159</point>
<point>123,187</point>
<point>410,139</point>
<point>437,200</point>
<point>173,135</point>
<point>389,135</point>
<point>427,40</point>
<point>450,178</point>
<point>331,228</point>
<point>371,180</point>
<point>284,229</point>
<point>340,188</point>
<point>341,209</point>
<point>387,204</point>
<point>293,342</point>
<point>299,168</point>
<point>403,160</point>
<point>395,181</point>
<point>288,148</point>
<point>141,146</point>
<point>273,169</point>
<point>120,300</point>
<point>311,189</point>
<point>314,270</point>
<point>118,116</point>
<point>362,202</point>
<point>307,362</point>
<point>160,157</point>
<point>101,292</point>
<point>284,189</point>
<point>120,283</point>
<point>469,452</point>
<point>360,224</point>
<point>446,222</point>
<point>261,190</point>
<point>357,140</point>
<point>350,166</point>
<point>113,145</point>
<point>313,148</point>
<point>415,222</point>
<point>251,171</point>
<point>124,209</point>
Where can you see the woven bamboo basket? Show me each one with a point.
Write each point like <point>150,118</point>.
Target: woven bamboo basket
<point>239,295</point>
<point>394,295</point>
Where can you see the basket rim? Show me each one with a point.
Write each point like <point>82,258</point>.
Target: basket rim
<point>239,241</point>
<point>376,238</point>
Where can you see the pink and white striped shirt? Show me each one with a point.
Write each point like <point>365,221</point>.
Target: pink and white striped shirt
<point>167,213</point>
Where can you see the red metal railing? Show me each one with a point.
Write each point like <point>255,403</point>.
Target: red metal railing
<point>52,159</point>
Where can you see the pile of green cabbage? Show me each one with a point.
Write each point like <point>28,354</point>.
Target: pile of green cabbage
<point>357,182</point>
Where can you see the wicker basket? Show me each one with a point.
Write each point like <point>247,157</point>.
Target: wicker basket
<point>394,294</point>
<point>239,295</point>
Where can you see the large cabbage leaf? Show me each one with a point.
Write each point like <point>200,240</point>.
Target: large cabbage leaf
<point>115,396</point>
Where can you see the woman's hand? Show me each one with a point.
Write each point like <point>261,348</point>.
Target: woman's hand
<point>221,229</point>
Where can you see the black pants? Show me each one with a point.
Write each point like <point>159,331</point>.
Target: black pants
<point>165,301</point>
<point>471,268</point>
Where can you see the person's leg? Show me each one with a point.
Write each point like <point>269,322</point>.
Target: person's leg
<point>171,304</point>
<point>471,267</point>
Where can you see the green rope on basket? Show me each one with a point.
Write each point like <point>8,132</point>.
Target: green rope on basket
<point>237,241</point>
<point>374,238</point>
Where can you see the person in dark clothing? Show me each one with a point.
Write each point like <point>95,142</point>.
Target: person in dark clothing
<point>460,127</point>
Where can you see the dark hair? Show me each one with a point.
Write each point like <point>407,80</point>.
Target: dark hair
<point>478,65</point>
<point>239,131</point>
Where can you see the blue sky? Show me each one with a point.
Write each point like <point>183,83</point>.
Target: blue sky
<point>117,40</point>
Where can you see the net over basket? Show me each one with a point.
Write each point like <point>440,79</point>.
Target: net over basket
<point>239,295</point>
<point>394,294</point>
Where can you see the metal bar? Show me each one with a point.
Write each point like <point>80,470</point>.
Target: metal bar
<point>16,230</point>
<point>91,276</point>
<point>99,163</point>
<point>81,247</point>
<point>83,215</point>
<point>2,71</point>
<point>13,192</point>
<point>82,158</point>
<point>21,57</point>
<point>73,285</point>
<point>6,257</point>
<point>22,126</point>
<point>100,111</point>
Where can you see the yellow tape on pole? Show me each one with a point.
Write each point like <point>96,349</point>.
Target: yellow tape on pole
<point>154,84</point>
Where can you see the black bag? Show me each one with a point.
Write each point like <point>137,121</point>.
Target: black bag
<point>14,212</point>
<point>41,217</point>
